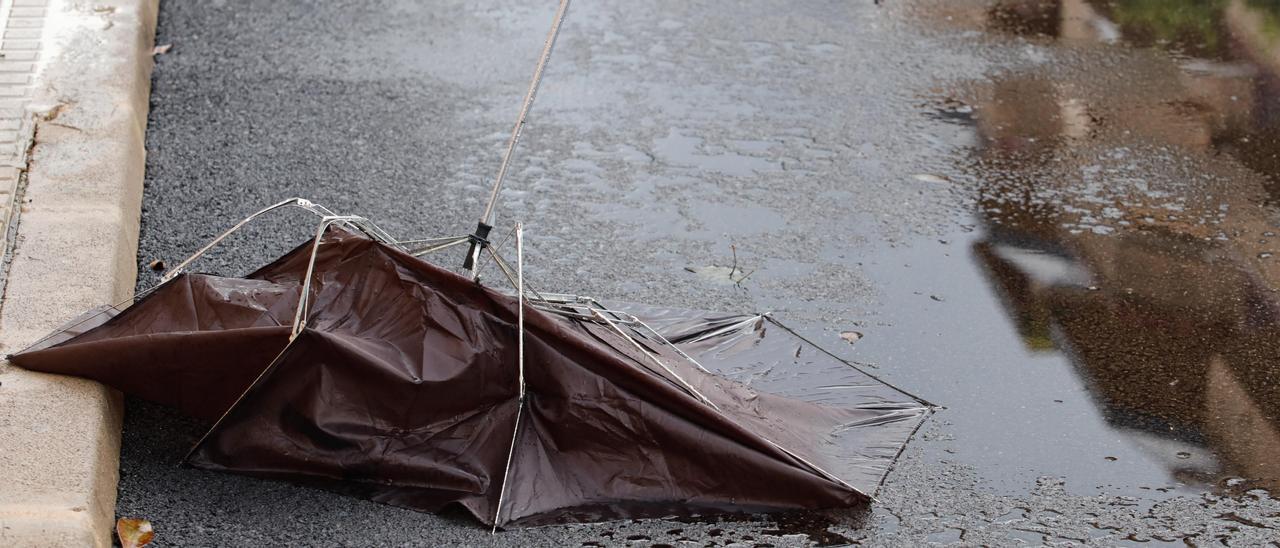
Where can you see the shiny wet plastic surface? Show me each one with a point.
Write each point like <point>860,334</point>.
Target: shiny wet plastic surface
<point>1055,218</point>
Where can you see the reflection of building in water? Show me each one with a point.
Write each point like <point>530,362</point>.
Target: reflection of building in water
<point>1162,328</point>
<point>1230,52</point>
<point>1164,296</point>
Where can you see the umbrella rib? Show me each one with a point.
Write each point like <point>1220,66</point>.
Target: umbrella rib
<point>428,240</point>
<point>502,266</point>
<point>136,297</point>
<point>851,365</point>
<point>506,269</point>
<point>502,492</point>
<point>816,468</point>
<point>432,249</point>
<point>304,204</point>
<point>669,343</point>
<point>515,430</point>
<point>256,381</point>
<point>724,329</point>
<point>520,298</point>
<point>364,225</point>
<point>567,305</point>
<point>680,379</point>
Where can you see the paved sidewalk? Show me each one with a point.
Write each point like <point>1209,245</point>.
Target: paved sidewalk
<point>74,88</point>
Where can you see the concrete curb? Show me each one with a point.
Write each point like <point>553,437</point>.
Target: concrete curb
<point>79,206</point>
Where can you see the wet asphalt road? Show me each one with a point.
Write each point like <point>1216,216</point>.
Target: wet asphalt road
<point>1054,218</point>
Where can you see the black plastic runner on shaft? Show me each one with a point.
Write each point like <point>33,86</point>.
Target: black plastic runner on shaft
<point>478,240</point>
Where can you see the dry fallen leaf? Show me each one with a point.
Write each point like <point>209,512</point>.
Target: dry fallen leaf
<point>134,533</point>
<point>162,49</point>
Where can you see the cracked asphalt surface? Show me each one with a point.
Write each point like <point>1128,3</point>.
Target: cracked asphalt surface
<point>880,167</point>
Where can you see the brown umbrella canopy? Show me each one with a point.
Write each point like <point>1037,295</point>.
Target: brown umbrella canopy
<point>404,385</point>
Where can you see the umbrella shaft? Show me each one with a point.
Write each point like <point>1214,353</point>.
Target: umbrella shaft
<point>524,111</point>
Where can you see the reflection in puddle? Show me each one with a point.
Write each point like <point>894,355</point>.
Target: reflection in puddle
<point>1128,223</point>
<point>1227,53</point>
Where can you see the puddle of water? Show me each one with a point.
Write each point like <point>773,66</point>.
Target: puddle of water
<point>1016,406</point>
<point>946,536</point>
<point>1187,28</point>
<point>681,150</point>
<point>1223,58</point>
<point>719,220</point>
<point>1116,313</point>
